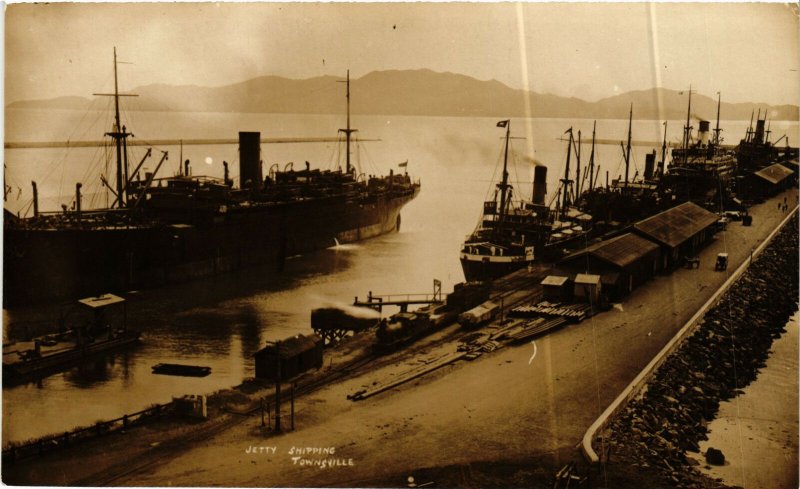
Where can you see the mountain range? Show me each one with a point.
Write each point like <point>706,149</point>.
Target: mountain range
<point>419,93</point>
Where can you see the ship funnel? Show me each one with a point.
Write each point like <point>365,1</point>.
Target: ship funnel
<point>539,184</point>
<point>250,160</point>
<point>759,138</point>
<point>703,132</point>
<point>649,165</point>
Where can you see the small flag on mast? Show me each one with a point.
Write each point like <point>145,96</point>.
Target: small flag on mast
<point>403,164</point>
<point>502,123</point>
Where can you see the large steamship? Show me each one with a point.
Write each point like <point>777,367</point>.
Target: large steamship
<point>161,230</point>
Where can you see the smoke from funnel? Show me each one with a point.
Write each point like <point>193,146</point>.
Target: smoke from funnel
<point>358,312</point>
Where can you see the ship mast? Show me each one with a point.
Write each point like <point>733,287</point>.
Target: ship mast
<point>591,159</point>
<point>119,134</point>
<point>717,129</point>
<point>663,152</point>
<point>687,130</point>
<point>348,132</point>
<point>504,186</point>
<point>628,148</point>
<point>566,181</point>
<point>577,188</point>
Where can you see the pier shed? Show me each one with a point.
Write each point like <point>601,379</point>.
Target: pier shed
<point>588,287</point>
<point>556,288</point>
<point>770,180</point>
<point>297,354</point>
<point>680,232</point>
<point>794,166</point>
<point>623,263</point>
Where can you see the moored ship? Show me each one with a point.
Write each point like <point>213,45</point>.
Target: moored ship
<point>512,235</point>
<point>162,230</point>
<point>701,172</point>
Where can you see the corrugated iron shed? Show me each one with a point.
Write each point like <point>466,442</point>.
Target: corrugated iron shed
<point>298,344</point>
<point>792,164</point>
<point>677,225</point>
<point>554,280</point>
<point>587,279</point>
<point>774,174</point>
<point>101,301</point>
<point>620,251</point>
<point>624,250</point>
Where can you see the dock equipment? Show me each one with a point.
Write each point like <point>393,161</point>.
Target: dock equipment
<point>402,300</point>
<point>100,327</point>
<point>571,312</point>
<point>332,324</point>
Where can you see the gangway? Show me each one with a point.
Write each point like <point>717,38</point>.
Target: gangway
<point>377,302</point>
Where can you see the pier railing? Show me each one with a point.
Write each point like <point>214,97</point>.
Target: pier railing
<point>51,443</point>
<point>634,389</point>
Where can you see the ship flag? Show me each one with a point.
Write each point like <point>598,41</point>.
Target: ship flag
<point>403,164</point>
<point>502,123</point>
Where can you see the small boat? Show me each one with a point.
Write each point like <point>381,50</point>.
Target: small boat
<point>55,352</point>
<point>181,370</point>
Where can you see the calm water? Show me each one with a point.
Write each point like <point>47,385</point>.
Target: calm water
<point>222,322</point>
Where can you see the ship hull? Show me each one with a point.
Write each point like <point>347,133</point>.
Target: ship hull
<point>481,268</point>
<point>486,269</point>
<point>43,265</point>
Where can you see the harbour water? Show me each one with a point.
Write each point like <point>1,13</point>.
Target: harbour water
<point>221,322</point>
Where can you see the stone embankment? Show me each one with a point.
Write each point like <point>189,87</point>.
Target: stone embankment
<point>723,355</point>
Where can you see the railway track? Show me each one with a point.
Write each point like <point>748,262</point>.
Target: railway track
<point>505,288</point>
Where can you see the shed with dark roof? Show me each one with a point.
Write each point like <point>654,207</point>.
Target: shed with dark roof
<point>297,355</point>
<point>680,232</point>
<point>770,181</point>
<point>623,263</point>
<point>556,288</point>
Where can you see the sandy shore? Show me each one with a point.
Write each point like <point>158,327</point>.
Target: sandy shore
<point>757,430</point>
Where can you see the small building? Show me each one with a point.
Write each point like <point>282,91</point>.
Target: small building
<point>297,354</point>
<point>680,232</point>
<point>623,263</point>
<point>557,288</point>
<point>588,287</point>
<point>794,166</point>
<point>770,180</point>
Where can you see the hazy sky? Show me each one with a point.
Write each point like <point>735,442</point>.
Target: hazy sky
<point>749,52</point>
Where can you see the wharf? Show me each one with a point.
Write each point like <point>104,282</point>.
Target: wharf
<point>515,405</point>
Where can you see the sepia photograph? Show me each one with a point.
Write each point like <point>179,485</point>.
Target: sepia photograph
<point>406,244</point>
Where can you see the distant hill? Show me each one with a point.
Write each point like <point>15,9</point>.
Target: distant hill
<point>416,92</point>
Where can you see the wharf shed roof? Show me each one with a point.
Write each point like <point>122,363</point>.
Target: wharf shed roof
<point>587,279</point>
<point>774,174</point>
<point>620,251</point>
<point>555,280</point>
<point>677,225</point>
<point>291,347</point>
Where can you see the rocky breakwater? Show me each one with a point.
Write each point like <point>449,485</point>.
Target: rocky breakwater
<point>723,355</point>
